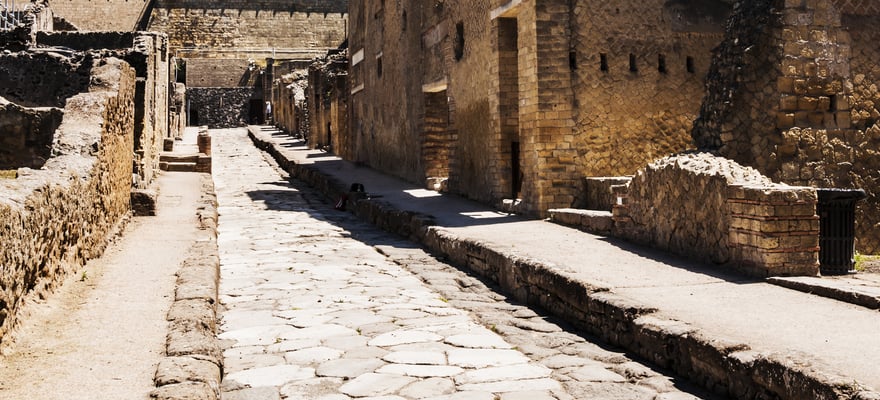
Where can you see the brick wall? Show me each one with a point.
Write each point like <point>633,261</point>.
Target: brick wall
<point>735,217</point>
<point>54,219</point>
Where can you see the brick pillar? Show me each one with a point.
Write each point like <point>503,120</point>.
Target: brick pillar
<point>546,107</point>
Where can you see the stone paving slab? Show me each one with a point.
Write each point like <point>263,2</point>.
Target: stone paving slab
<point>318,305</point>
<point>748,324</point>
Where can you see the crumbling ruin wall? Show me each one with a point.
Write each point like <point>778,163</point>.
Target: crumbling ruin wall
<point>42,79</point>
<point>55,218</point>
<point>735,216</point>
<point>794,94</point>
<point>104,15</point>
<point>289,108</point>
<point>147,53</point>
<point>219,107</point>
<point>327,93</point>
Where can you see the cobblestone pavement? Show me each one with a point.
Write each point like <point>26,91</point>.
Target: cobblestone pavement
<point>318,305</point>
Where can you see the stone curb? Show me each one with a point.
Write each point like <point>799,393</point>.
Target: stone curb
<point>193,366</point>
<point>724,367</point>
<point>826,289</point>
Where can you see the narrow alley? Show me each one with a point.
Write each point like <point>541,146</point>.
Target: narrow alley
<point>319,305</point>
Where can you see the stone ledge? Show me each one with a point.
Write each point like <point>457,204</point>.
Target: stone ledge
<point>593,221</point>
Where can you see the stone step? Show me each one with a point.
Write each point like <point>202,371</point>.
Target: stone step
<point>593,221</point>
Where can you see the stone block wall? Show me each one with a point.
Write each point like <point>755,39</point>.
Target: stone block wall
<point>238,24</point>
<point>103,15</point>
<point>220,107</point>
<point>734,216</point>
<point>223,72</point>
<point>55,218</point>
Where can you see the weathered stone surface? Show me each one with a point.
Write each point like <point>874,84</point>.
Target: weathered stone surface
<point>185,391</point>
<point>172,370</point>
<point>277,375</point>
<point>374,384</point>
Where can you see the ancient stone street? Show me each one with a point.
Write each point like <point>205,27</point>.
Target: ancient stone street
<point>318,305</point>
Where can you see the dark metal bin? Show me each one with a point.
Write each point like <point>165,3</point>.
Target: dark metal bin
<point>837,229</point>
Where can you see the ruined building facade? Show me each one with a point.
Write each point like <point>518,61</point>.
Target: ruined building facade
<point>524,98</point>
<point>499,99</point>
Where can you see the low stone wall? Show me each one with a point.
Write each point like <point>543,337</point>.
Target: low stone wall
<point>597,192</point>
<point>54,219</point>
<point>714,210</point>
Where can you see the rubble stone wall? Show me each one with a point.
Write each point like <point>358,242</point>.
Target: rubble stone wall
<point>42,79</point>
<point>26,135</point>
<point>794,95</point>
<point>219,107</point>
<point>734,216</point>
<point>638,70</point>
<point>54,219</point>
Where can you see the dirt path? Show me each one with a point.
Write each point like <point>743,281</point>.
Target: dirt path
<point>101,335</point>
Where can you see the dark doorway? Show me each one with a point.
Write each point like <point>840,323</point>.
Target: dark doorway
<point>256,112</point>
<point>329,135</point>
<point>193,117</point>
<point>516,174</point>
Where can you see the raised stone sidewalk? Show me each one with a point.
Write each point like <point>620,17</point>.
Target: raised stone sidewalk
<point>737,337</point>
